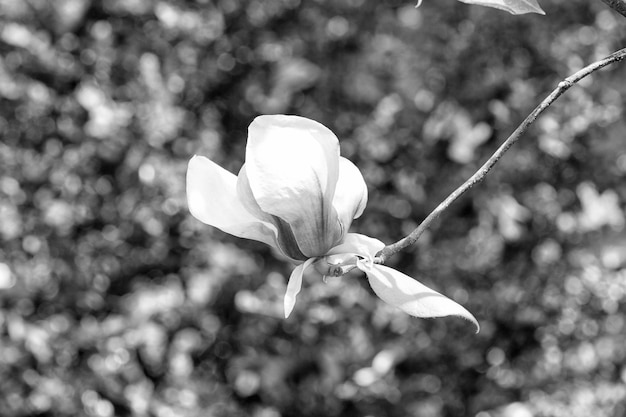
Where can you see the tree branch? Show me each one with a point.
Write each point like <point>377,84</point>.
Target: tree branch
<point>618,5</point>
<point>562,87</point>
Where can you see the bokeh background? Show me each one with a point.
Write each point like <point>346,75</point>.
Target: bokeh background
<point>114,301</point>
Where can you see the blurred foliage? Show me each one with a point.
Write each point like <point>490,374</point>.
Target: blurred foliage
<point>115,301</point>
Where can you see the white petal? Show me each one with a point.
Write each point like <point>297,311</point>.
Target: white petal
<point>294,285</point>
<point>292,165</point>
<point>244,192</point>
<point>212,199</point>
<point>285,239</point>
<point>351,193</point>
<point>411,296</point>
<point>358,244</point>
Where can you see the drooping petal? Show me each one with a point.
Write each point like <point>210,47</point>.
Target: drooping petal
<point>294,285</point>
<point>351,193</point>
<point>292,165</point>
<point>411,296</point>
<point>358,244</point>
<point>511,6</point>
<point>212,199</point>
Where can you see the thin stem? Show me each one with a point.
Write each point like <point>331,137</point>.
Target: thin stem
<point>479,175</point>
<point>618,5</point>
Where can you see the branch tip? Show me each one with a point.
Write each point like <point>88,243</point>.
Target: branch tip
<point>482,172</point>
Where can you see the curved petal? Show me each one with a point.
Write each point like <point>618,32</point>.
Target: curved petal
<point>244,192</point>
<point>358,244</point>
<point>351,193</point>
<point>212,199</point>
<point>410,296</point>
<point>285,238</point>
<point>294,285</point>
<point>292,165</point>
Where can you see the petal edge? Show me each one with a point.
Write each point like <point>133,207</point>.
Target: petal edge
<point>350,194</point>
<point>295,285</point>
<point>212,198</point>
<point>411,296</point>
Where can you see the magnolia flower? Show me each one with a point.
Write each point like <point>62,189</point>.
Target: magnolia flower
<point>296,194</point>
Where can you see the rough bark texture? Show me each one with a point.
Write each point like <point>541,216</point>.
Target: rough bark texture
<point>618,5</point>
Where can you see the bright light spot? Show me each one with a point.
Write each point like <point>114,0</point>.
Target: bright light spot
<point>337,27</point>
<point>365,377</point>
<point>517,410</point>
<point>6,278</point>
<point>384,361</point>
<point>247,383</point>
<point>147,173</point>
<point>496,356</point>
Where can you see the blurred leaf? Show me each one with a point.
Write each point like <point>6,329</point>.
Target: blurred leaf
<point>599,210</point>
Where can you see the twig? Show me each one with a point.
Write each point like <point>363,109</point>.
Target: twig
<point>618,5</point>
<point>563,86</point>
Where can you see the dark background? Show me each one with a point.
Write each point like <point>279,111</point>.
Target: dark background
<point>116,302</point>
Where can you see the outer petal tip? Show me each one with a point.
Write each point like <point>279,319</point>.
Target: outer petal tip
<point>294,285</point>
<point>477,325</point>
<point>411,296</point>
<point>290,303</point>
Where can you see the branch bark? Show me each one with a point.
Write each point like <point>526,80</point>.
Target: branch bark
<point>482,172</point>
<point>618,5</point>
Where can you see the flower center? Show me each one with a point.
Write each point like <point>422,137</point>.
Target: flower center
<point>335,265</point>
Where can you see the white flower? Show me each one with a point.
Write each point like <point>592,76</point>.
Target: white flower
<point>297,194</point>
